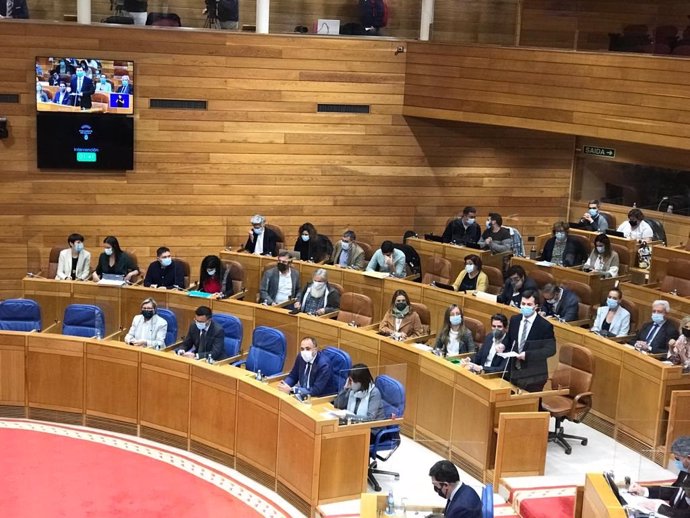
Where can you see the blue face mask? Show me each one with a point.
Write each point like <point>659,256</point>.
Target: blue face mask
<point>200,325</point>
<point>679,464</point>
<point>611,303</point>
<point>560,236</point>
<point>455,320</point>
<point>657,318</point>
<point>470,221</point>
<point>102,80</point>
<point>125,83</point>
<point>80,73</point>
<point>527,311</point>
<point>78,247</point>
<point>258,231</point>
<point>305,238</point>
<point>167,261</point>
<point>593,212</point>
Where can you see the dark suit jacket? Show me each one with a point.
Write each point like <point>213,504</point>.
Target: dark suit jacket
<point>455,232</point>
<point>663,335</point>
<point>570,254</point>
<point>58,100</point>
<point>129,89</point>
<point>270,243</point>
<point>540,345</point>
<point>320,377</point>
<point>19,10</point>
<point>212,344</point>
<point>171,276</point>
<point>498,363</point>
<point>87,89</point>
<point>678,507</point>
<point>567,307</point>
<point>465,504</point>
<point>506,296</point>
<point>269,285</point>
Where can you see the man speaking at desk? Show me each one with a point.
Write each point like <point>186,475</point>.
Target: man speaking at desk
<point>311,373</point>
<point>204,338</point>
<point>533,343</point>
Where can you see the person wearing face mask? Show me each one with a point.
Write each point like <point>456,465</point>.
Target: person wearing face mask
<point>318,297</point>
<point>487,358</point>
<point>62,95</point>
<point>114,261</point>
<point>559,302</point>
<point>147,329</point>
<point>347,253</point>
<point>400,321</point>
<point>388,259</point>
<point>530,336</point>
<point>311,372</point>
<point>81,89</point>
<point>261,240</point>
<point>495,237</point>
<point>41,96</point>
<point>612,319</point>
<point>103,85</point>
<point>655,336</point>
<point>603,259</point>
<point>279,284</point>
<point>674,500</point>
<point>164,272</point>
<point>679,349</point>
<point>74,262</point>
<point>516,282</point>
<point>463,230</point>
<point>454,337</point>
<point>214,278</point>
<point>592,220</point>
<point>204,337</point>
<point>636,227</point>
<point>311,245</point>
<point>472,278</point>
<point>360,396</point>
<point>463,501</point>
<point>125,86</point>
<point>560,249</point>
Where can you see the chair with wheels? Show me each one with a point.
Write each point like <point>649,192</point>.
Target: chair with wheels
<point>575,372</point>
<point>386,439</point>
<point>20,315</point>
<point>233,331</point>
<point>83,320</point>
<point>267,352</point>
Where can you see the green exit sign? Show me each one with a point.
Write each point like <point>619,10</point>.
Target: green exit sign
<point>606,152</point>
<point>86,156</point>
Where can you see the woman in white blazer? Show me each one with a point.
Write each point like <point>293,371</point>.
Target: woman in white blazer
<point>612,319</point>
<point>148,329</point>
<point>67,268</point>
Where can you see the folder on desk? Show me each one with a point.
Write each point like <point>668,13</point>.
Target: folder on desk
<point>111,279</point>
<point>200,294</point>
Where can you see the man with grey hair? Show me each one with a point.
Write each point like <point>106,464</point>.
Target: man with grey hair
<point>654,336</point>
<point>261,240</point>
<point>348,254</point>
<point>670,500</point>
<point>318,297</point>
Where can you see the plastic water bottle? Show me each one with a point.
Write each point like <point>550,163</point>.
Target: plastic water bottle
<point>259,377</point>
<point>99,335</point>
<point>209,358</point>
<point>390,504</point>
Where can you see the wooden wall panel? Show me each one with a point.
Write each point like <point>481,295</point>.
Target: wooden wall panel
<point>260,147</point>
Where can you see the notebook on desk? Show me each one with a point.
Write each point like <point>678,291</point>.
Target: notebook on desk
<point>111,279</point>
<point>200,294</point>
<point>378,275</point>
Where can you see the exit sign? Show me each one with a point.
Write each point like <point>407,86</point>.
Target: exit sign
<point>607,152</point>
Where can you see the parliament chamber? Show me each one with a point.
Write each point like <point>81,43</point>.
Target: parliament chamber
<point>500,111</point>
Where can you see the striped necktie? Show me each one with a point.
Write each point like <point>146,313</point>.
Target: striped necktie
<point>10,8</point>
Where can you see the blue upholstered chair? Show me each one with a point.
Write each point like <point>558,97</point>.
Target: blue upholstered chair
<point>267,352</point>
<point>83,320</point>
<point>20,315</point>
<point>386,439</point>
<point>340,363</point>
<point>171,319</point>
<point>232,327</point>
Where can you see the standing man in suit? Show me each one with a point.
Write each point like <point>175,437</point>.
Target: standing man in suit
<point>62,95</point>
<point>311,373</point>
<point>487,358</point>
<point>654,336</point>
<point>81,88</point>
<point>204,337</point>
<point>560,302</point>
<point>673,500</point>
<point>531,336</point>
<point>347,253</point>
<point>463,501</point>
<point>261,240</point>
<point>279,284</point>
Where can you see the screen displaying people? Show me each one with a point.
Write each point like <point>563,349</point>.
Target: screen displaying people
<point>97,85</point>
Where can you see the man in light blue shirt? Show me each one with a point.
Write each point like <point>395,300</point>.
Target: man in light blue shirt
<point>388,259</point>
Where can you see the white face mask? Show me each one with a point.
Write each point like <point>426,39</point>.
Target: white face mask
<point>108,251</point>
<point>469,268</point>
<point>200,325</point>
<point>306,356</point>
<point>211,271</point>
<point>345,245</point>
<point>601,249</point>
<point>356,386</point>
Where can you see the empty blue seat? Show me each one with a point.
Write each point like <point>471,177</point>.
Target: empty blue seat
<point>83,320</point>
<point>233,330</point>
<point>171,319</point>
<point>267,352</point>
<point>20,315</point>
<point>341,363</point>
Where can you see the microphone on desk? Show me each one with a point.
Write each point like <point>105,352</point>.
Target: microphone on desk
<point>35,275</point>
<point>179,288</point>
<point>508,362</point>
<point>665,198</point>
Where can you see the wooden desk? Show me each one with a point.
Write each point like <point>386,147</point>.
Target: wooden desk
<point>600,286</point>
<point>218,411</point>
<point>644,297</point>
<point>599,500</point>
<point>661,255</point>
<point>454,253</point>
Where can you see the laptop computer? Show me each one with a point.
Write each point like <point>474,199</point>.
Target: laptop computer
<point>111,279</point>
<point>293,254</point>
<point>431,237</point>
<point>443,286</point>
<point>612,232</point>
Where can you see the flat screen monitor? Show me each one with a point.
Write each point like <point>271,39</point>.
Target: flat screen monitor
<point>84,141</point>
<point>78,84</point>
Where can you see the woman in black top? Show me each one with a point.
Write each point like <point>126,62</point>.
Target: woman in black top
<point>311,245</point>
<point>114,261</point>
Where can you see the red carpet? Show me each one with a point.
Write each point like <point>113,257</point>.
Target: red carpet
<point>49,475</point>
